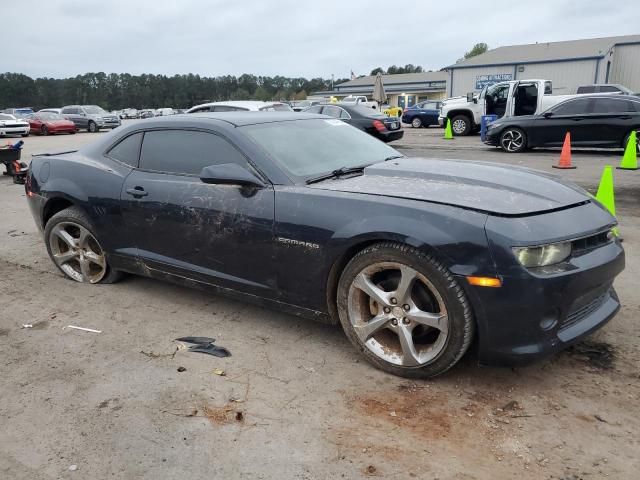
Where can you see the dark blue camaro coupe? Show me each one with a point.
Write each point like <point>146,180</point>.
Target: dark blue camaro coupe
<point>415,258</point>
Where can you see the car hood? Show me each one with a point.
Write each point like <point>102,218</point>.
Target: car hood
<point>481,186</point>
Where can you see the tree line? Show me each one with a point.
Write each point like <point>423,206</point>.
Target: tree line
<point>116,91</point>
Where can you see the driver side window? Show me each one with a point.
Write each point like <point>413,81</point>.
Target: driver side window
<point>186,151</point>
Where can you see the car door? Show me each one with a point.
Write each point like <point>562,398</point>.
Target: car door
<point>218,234</point>
<point>429,113</point>
<point>611,120</point>
<point>573,116</point>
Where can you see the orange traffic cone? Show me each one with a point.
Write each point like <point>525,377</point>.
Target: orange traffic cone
<point>565,155</point>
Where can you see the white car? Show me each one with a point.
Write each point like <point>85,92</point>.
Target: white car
<point>241,106</point>
<point>10,125</point>
<point>162,112</point>
<point>51,110</point>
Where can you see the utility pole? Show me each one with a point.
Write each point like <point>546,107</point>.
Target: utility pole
<point>332,82</point>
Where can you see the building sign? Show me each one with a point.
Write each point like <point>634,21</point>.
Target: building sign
<point>484,80</point>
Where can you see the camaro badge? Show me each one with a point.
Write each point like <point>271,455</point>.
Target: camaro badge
<point>299,243</point>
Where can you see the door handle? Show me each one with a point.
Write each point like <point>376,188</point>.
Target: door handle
<point>137,192</point>
<point>625,117</point>
<point>577,119</point>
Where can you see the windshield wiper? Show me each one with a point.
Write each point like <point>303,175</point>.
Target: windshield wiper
<point>336,173</point>
<point>393,157</point>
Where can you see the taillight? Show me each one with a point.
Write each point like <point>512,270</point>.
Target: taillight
<point>379,126</point>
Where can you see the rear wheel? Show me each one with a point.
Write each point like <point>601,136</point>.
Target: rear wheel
<point>461,125</point>
<point>513,140</point>
<point>75,250</point>
<point>416,123</point>
<point>44,130</point>
<point>93,128</point>
<point>404,311</point>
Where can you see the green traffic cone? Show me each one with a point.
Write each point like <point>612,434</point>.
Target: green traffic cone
<point>630,157</point>
<point>605,193</point>
<point>448,134</point>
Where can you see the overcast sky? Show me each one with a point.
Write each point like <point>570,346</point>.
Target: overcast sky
<point>293,38</point>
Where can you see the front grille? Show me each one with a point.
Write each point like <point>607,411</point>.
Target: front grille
<point>583,310</point>
<point>13,125</point>
<point>589,243</point>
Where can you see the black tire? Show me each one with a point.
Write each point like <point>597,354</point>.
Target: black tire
<point>25,134</point>
<point>76,215</point>
<point>513,140</point>
<point>92,128</point>
<point>44,130</point>
<point>626,140</point>
<point>416,122</point>
<point>461,325</point>
<point>461,125</point>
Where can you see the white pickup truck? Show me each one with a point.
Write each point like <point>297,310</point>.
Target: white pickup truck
<point>504,99</point>
<point>359,100</point>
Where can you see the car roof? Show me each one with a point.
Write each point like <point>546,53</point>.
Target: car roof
<point>603,95</point>
<point>231,119</point>
<point>254,104</point>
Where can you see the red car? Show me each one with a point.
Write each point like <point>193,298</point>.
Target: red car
<point>44,123</point>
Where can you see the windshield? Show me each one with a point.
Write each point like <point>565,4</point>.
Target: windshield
<point>49,116</point>
<point>93,109</point>
<point>307,148</point>
<point>6,117</point>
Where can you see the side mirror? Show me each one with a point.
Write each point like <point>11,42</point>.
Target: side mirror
<point>229,174</point>
<point>470,97</point>
<point>547,114</point>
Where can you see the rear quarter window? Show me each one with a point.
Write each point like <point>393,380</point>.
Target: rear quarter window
<point>128,150</point>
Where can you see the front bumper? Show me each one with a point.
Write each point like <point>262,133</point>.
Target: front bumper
<point>534,314</point>
<point>492,138</point>
<point>14,130</point>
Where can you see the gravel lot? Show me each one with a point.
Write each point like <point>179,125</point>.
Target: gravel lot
<point>295,401</point>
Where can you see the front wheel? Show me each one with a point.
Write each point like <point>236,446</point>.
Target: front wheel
<point>404,311</point>
<point>416,123</point>
<point>461,125</point>
<point>75,250</point>
<point>513,140</point>
<point>93,128</point>
<point>44,130</point>
<point>25,134</point>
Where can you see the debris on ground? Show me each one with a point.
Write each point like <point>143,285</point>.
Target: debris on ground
<point>197,340</point>
<point>73,468</point>
<point>219,372</point>
<point>84,329</point>
<point>182,369</point>
<point>205,345</point>
<point>600,418</point>
<point>152,354</point>
<point>370,470</point>
<point>225,414</point>
<point>598,354</point>
<point>193,413</point>
<point>210,349</point>
<point>27,325</point>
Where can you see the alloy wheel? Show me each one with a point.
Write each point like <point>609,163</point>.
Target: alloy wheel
<point>78,254</point>
<point>398,314</point>
<point>416,123</point>
<point>459,126</point>
<point>512,140</point>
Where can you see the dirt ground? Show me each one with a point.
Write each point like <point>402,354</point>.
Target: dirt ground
<point>295,400</point>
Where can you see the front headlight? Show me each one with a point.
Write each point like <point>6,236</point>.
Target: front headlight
<point>544,255</point>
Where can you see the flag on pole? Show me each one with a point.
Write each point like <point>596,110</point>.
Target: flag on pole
<point>353,75</point>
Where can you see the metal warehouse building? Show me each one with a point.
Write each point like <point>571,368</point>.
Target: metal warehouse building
<point>567,64</point>
<point>403,89</point>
